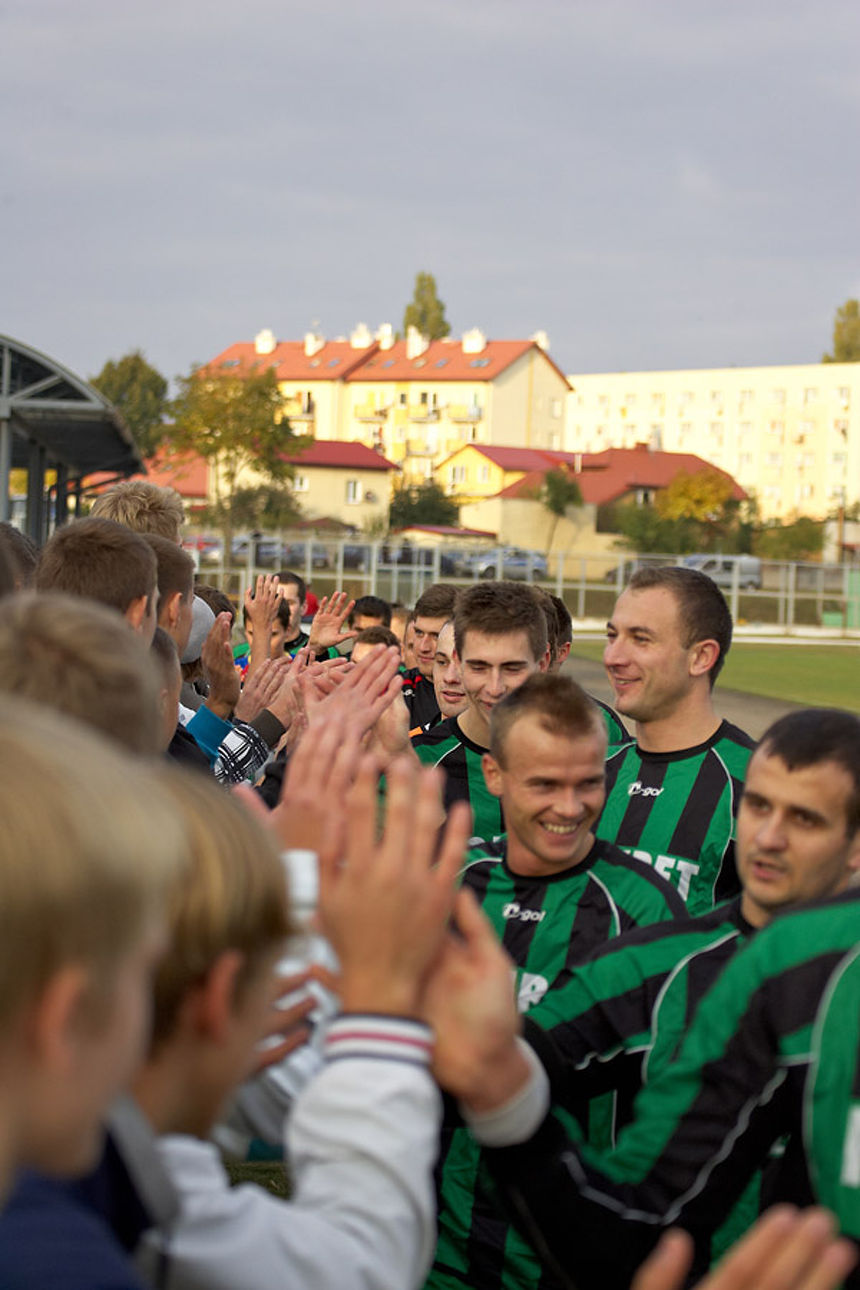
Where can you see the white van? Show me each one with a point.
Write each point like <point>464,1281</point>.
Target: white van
<point>722,569</point>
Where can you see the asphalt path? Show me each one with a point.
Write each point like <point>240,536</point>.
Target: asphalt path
<point>751,712</point>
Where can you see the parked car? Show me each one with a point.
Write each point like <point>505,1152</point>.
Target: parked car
<point>516,564</point>
<point>722,569</point>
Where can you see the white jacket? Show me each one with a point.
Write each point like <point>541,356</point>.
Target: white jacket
<point>361,1143</point>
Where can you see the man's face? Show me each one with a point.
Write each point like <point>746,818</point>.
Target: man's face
<point>278,637</point>
<point>645,658</point>
<point>552,790</point>
<point>426,634</point>
<point>492,666</point>
<point>792,844</point>
<point>290,593</point>
<point>447,682</point>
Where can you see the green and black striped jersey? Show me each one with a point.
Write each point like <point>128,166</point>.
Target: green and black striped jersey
<point>676,811</point>
<point>621,1016</point>
<point>773,1050</point>
<point>547,925</point>
<point>445,745</point>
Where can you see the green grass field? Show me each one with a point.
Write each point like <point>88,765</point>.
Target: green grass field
<point>820,675</point>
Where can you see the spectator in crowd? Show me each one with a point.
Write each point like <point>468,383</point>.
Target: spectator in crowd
<point>565,632</point>
<point>103,561</point>
<point>145,507</point>
<point>434,607</point>
<point>370,611</point>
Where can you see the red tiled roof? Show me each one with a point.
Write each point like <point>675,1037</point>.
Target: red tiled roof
<point>335,360</point>
<point>444,360</point>
<point>353,456</point>
<point>605,476</point>
<point>187,473</point>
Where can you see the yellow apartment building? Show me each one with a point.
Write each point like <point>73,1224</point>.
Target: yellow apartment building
<point>788,435</point>
<point>414,400</point>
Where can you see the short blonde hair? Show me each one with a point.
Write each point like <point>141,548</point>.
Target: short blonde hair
<point>80,658</point>
<point>89,846</point>
<point>232,896</point>
<point>143,506</point>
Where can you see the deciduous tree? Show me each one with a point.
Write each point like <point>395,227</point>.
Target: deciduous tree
<point>234,418</point>
<point>426,503</point>
<point>846,334</point>
<point>139,391</point>
<point>425,310</point>
<point>558,492</point>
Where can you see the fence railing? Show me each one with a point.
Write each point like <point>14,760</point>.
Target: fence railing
<point>783,595</point>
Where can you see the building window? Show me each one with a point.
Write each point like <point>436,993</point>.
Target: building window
<point>555,407</point>
<point>458,474</point>
<point>838,458</point>
<point>773,459</point>
<point>353,492</point>
<point>484,474</point>
<point>810,395</point>
<point>777,428</point>
<point>301,484</point>
<point>844,395</point>
<point>777,396</point>
<point>745,396</point>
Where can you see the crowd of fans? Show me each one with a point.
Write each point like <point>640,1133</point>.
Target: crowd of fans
<point>527,992</point>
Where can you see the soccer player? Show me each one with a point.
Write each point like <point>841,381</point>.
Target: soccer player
<point>772,1049</point>
<point>500,639</point>
<point>434,607</point>
<point>553,894</point>
<point>673,791</point>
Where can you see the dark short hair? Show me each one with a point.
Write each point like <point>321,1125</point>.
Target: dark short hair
<point>550,613</point>
<point>498,608</point>
<point>565,622</point>
<point>99,559</point>
<point>702,609</point>
<point>815,735</point>
<point>561,706</point>
<point>439,600</point>
<point>164,651</point>
<point>22,552</point>
<point>376,636</point>
<point>175,567</point>
<point>217,600</point>
<point>287,575</point>
<point>372,607</point>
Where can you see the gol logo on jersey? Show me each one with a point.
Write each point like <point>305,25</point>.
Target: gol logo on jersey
<point>513,910</point>
<point>637,789</point>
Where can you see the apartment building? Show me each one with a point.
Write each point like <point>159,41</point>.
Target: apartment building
<point>414,400</point>
<point>789,435</point>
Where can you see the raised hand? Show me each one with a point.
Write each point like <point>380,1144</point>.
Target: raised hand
<point>470,1005</point>
<point>385,908</point>
<point>261,611</point>
<point>216,658</point>
<point>327,628</point>
<point>261,689</point>
<point>784,1250</point>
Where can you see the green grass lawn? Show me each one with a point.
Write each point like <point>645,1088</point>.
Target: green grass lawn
<point>820,675</point>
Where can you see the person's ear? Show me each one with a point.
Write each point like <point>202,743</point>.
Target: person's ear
<point>136,612</point>
<point>212,1003</point>
<point>55,1018</point>
<point>703,657</point>
<point>563,653</point>
<point>492,774</point>
<point>169,610</point>
<point>543,665</point>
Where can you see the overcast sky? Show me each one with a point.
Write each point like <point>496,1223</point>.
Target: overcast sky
<point>657,185</point>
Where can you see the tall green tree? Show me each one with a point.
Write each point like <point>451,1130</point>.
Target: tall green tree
<point>702,501</point>
<point>426,503</point>
<point>234,418</point>
<point>558,492</point>
<point>139,392</point>
<point>425,310</point>
<point>846,334</point>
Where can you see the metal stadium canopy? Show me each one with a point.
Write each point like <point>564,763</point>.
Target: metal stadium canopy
<point>50,419</point>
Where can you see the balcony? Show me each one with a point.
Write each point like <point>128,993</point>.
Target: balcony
<point>368,412</point>
<point>423,413</point>
<point>419,448</point>
<point>465,412</point>
<point>300,410</point>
